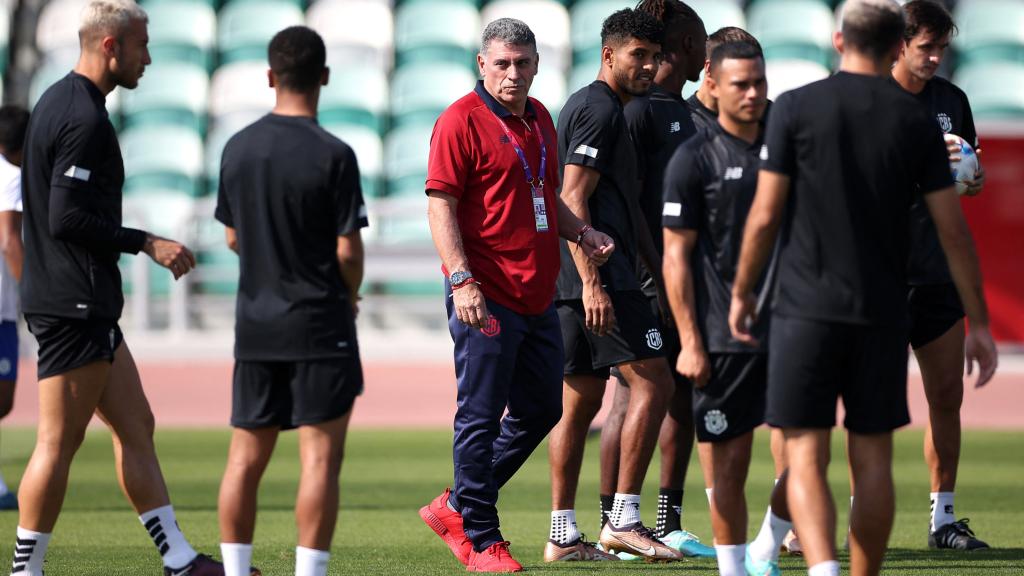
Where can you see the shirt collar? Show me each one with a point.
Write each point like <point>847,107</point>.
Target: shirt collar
<point>93,90</point>
<point>496,107</point>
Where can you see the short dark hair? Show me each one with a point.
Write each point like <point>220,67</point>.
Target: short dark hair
<point>627,23</point>
<point>669,12</point>
<point>297,58</point>
<point>733,51</point>
<point>927,16</point>
<point>13,124</point>
<point>731,34</point>
<point>872,27</point>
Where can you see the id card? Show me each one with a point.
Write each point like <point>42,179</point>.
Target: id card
<point>540,210</point>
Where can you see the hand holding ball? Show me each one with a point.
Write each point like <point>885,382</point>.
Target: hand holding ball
<point>963,164</point>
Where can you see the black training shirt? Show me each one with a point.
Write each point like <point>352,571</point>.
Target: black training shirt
<point>658,123</point>
<point>853,146</point>
<point>289,189</point>
<point>703,117</point>
<point>592,132</point>
<point>709,187</point>
<point>71,185</point>
<point>948,105</point>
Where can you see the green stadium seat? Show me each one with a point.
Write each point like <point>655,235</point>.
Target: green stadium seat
<point>240,87</point>
<point>995,89</point>
<point>429,31</point>
<point>365,39</point>
<point>420,93</point>
<point>718,13</point>
<point>166,213</point>
<point>550,89</point>
<point>169,93</point>
<point>162,158</point>
<point>369,150</point>
<point>406,151</point>
<point>220,132</point>
<point>182,31</point>
<point>355,95</point>
<point>582,75</point>
<point>549,21</point>
<point>244,28</point>
<point>990,30</point>
<point>5,38</point>
<point>793,29</point>
<point>586,17</point>
<point>216,264</point>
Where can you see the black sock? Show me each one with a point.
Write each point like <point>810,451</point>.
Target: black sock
<point>670,506</point>
<point>606,508</point>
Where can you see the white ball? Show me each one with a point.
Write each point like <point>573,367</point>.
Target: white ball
<point>965,169</point>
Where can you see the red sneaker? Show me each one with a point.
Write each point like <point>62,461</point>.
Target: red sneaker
<point>448,525</point>
<point>496,558</point>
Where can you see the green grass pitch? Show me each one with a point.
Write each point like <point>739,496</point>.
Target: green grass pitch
<point>388,475</point>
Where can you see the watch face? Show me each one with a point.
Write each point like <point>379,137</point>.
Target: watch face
<point>459,277</point>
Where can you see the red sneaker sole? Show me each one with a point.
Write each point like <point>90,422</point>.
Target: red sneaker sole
<point>435,524</point>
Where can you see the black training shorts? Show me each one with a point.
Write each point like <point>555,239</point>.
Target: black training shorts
<point>670,347</point>
<point>732,402</point>
<point>813,363</point>
<point>69,343</point>
<point>934,309</point>
<point>293,394</point>
<point>635,336</point>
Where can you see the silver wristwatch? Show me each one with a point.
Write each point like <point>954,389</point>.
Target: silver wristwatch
<point>459,277</point>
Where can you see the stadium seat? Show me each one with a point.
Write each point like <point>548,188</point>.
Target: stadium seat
<point>240,87</point>
<point>995,89</point>
<point>369,150</point>
<point>355,95</point>
<point>181,31</point>
<point>57,27</point>
<point>437,31</point>
<point>550,89</point>
<point>5,38</point>
<point>990,30</point>
<point>793,29</point>
<point>718,13</point>
<point>420,93</point>
<point>244,28</point>
<point>162,158</point>
<point>587,17</point>
<point>365,39</point>
<point>162,212</point>
<point>549,21</point>
<point>406,150</point>
<point>785,75</point>
<point>222,129</point>
<point>169,93</point>
<point>582,75</point>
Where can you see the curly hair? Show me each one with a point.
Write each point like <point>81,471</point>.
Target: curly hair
<point>927,16</point>
<point>627,23</point>
<point>669,11</point>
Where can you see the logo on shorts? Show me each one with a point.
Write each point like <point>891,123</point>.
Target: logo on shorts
<point>715,422</point>
<point>654,339</point>
<point>492,328</point>
<point>5,366</point>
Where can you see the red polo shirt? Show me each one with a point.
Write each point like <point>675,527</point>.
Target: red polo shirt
<point>472,159</point>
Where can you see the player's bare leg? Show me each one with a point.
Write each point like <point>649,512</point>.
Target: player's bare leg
<point>730,461</point>
<point>581,401</point>
<point>808,494</point>
<point>248,456</point>
<point>942,365</point>
<point>66,404</point>
<point>874,502</point>
<point>611,440</point>
<point>321,448</point>
<point>675,439</point>
<point>651,388</point>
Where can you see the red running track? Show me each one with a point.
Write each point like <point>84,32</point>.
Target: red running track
<point>422,395</point>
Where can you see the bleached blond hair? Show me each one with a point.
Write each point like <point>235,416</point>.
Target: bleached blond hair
<point>109,17</point>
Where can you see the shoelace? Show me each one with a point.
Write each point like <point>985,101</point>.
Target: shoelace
<point>500,549</point>
<point>647,533</point>
<point>962,527</point>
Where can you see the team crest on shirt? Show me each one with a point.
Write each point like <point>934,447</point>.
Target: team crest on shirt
<point>945,122</point>
<point>654,339</point>
<point>492,328</point>
<point>715,422</point>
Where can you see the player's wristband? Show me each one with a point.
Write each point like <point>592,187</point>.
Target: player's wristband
<point>583,232</point>
<point>465,283</point>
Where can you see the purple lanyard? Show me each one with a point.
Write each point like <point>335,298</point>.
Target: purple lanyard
<point>536,186</point>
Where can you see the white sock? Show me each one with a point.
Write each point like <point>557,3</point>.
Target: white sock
<point>773,531</point>
<point>730,559</point>
<point>707,492</point>
<point>829,568</point>
<point>29,551</point>
<point>237,558</point>
<point>942,509</point>
<point>311,562</point>
<point>563,527</point>
<point>163,529</point>
<point>625,510</point>
<point>4,490</point>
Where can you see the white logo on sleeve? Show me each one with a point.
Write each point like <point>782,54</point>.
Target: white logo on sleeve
<point>734,173</point>
<point>586,151</point>
<point>715,422</point>
<point>672,209</point>
<point>674,127</point>
<point>654,339</point>
<point>764,152</point>
<point>78,173</point>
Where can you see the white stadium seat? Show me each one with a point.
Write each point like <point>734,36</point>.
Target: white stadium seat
<point>549,21</point>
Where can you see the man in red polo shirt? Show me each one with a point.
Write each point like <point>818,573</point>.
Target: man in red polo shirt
<point>496,218</point>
